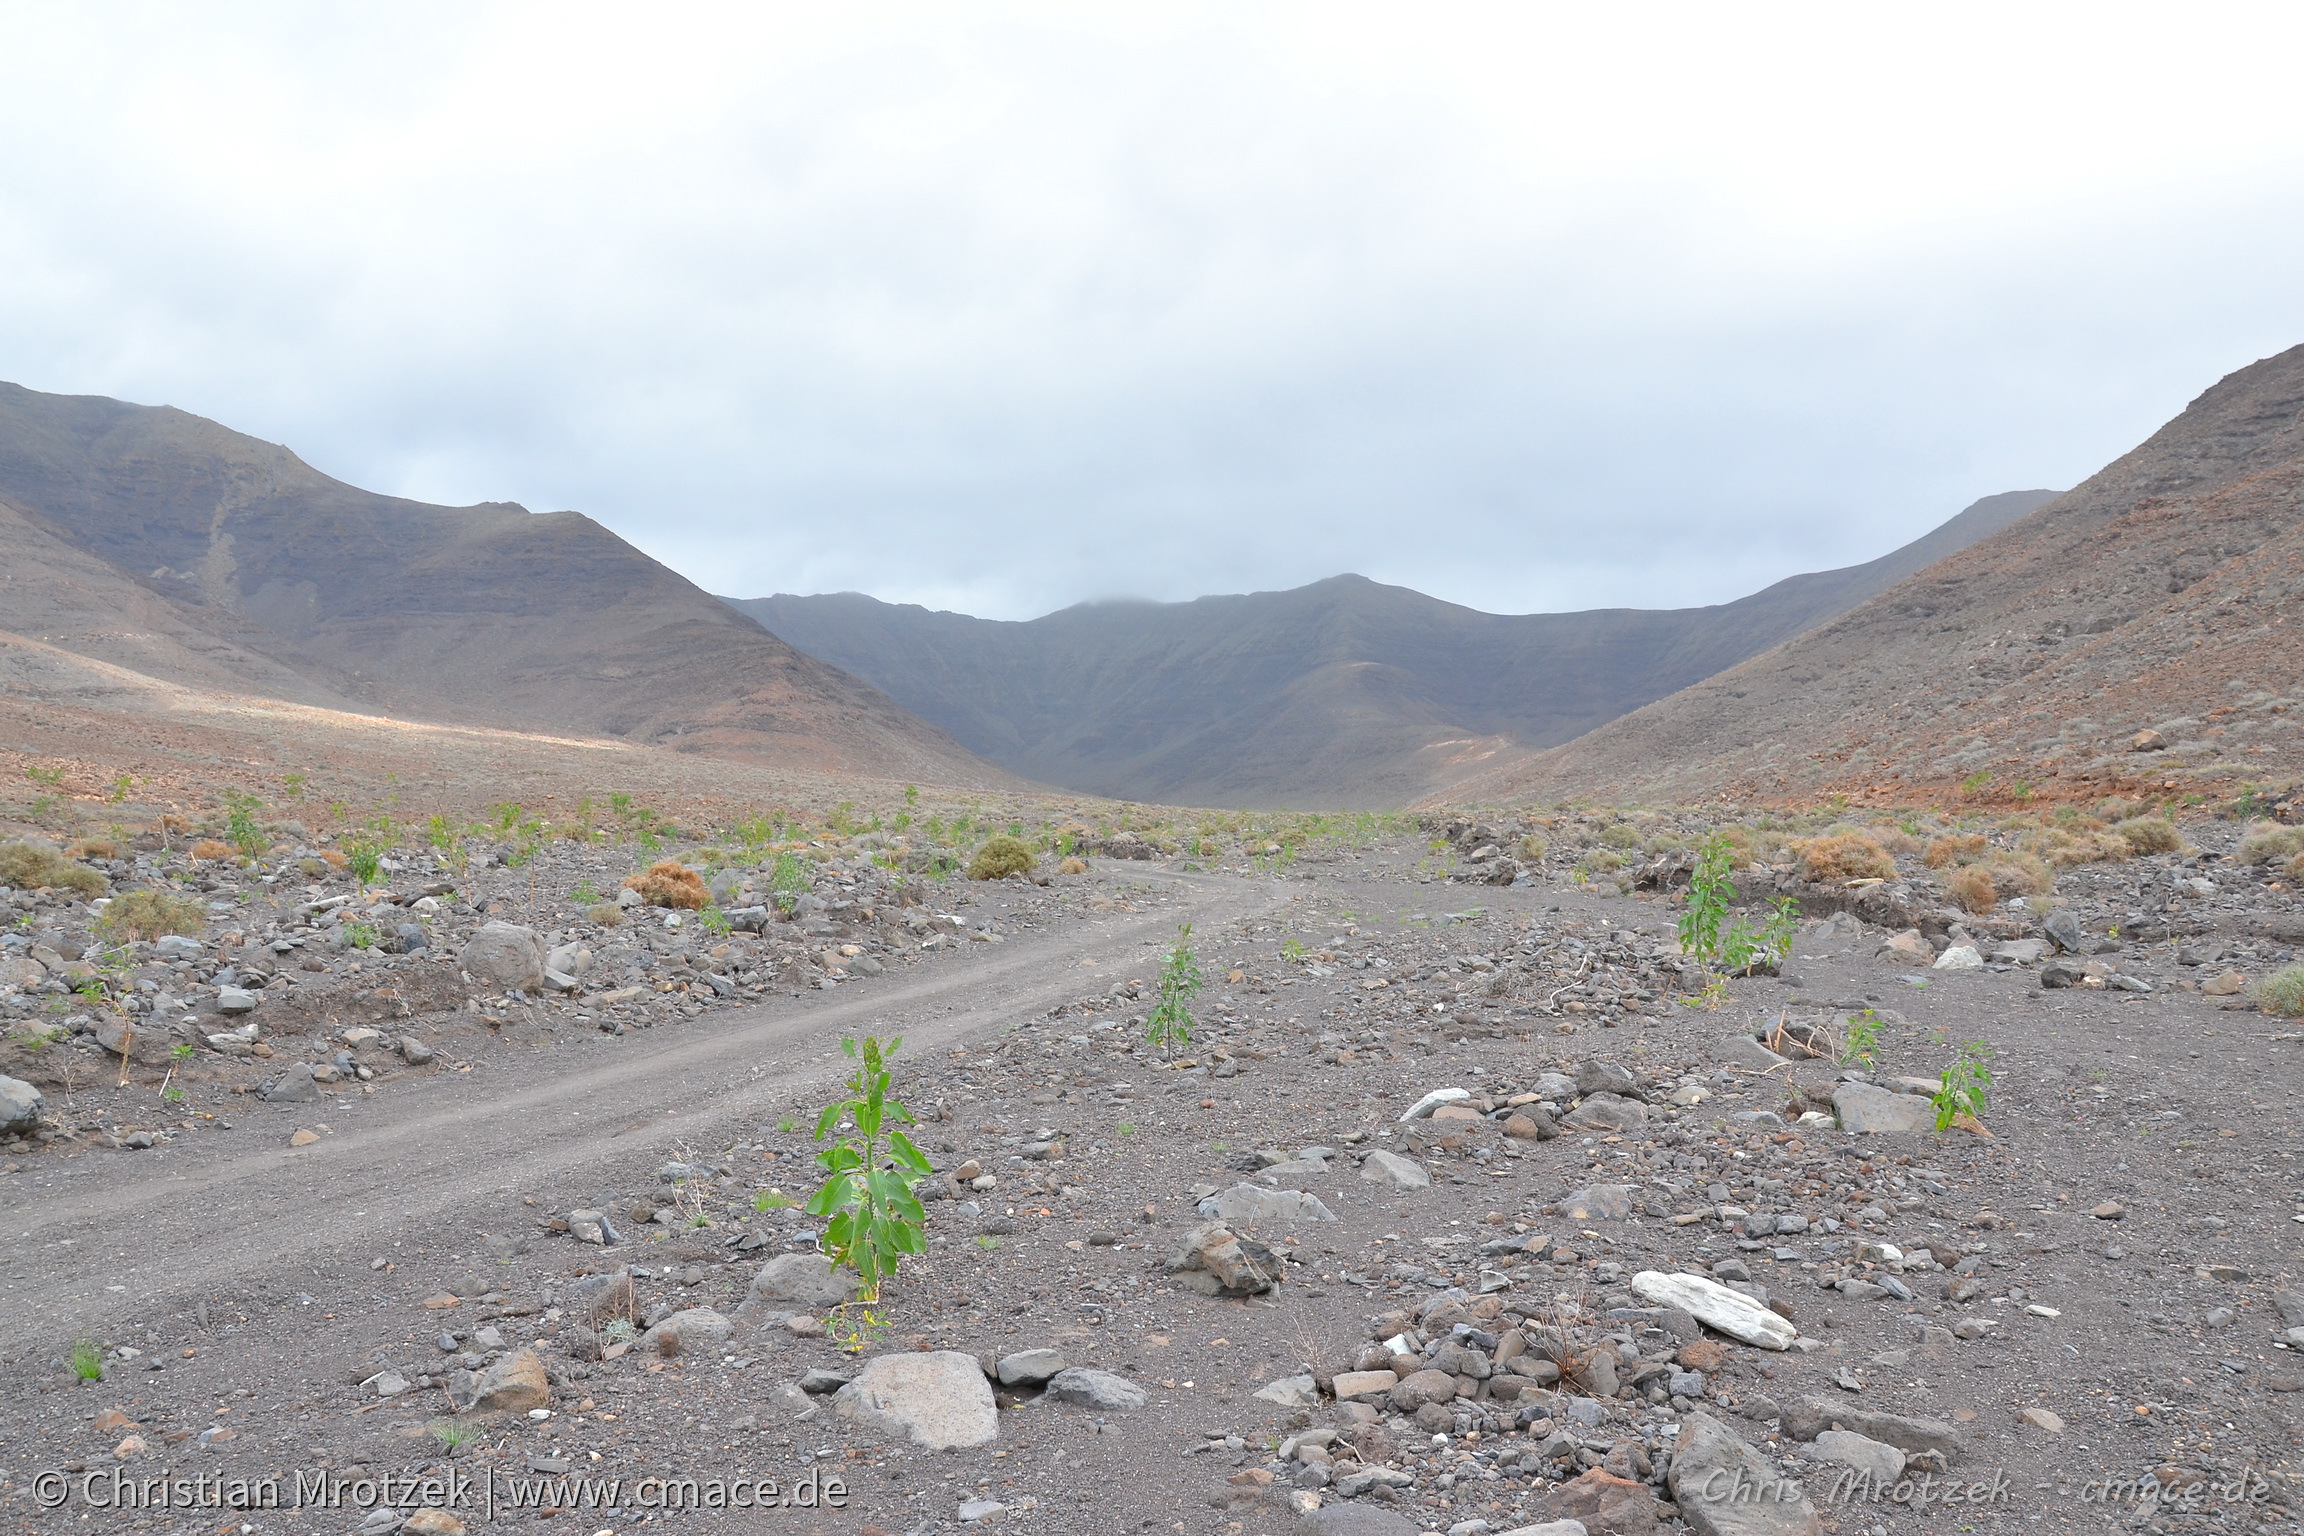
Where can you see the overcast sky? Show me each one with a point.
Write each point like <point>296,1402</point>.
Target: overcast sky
<point>997,308</point>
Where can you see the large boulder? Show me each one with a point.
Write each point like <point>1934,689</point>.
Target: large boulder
<point>689,1331</point>
<point>1421,1387</point>
<point>1391,1168</point>
<point>20,1107</point>
<point>1807,1417</point>
<point>505,955</point>
<point>1715,1305</point>
<point>1608,1112</point>
<point>1862,1107</point>
<point>1250,1204</point>
<point>514,1384</point>
<point>797,1280</point>
<point>1726,1488</point>
<point>1090,1388</point>
<point>938,1400</point>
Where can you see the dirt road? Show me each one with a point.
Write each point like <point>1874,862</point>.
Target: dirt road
<point>98,1239</point>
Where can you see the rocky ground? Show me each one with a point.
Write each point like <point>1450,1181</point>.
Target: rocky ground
<point>1452,1216</point>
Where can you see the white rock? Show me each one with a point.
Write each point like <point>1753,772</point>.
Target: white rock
<point>939,1400</point>
<point>1423,1107</point>
<point>1960,957</point>
<point>235,1000</point>
<point>1708,1301</point>
<point>1251,1204</point>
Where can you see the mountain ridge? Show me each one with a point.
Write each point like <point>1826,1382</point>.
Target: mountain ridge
<point>236,559</point>
<point>2154,596</point>
<point>1344,692</point>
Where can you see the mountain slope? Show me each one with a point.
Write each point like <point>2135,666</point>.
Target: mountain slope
<point>237,565</point>
<point>2161,594</point>
<point>1345,692</point>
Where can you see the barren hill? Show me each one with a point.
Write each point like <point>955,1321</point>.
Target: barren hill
<point>2156,596</point>
<point>154,540</point>
<point>1342,693</point>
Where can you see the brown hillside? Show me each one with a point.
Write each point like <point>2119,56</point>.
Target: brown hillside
<point>157,541</point>
<point>2160,595</point>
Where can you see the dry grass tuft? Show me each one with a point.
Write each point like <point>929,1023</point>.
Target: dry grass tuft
<point>1845,856</point>
<point>669,883</point>
<point>2268,842</point>
<point>2149,834</point>
<point>1073,866</point>
<point>210,848</point>
<point>27,868</point>
<point>606,914</point>
<point>147,914</point>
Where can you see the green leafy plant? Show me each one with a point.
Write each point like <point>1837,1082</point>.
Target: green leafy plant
<point>87,1360</point>
<point>1170,1026</point>
<point>621,1330</point>
<point>46,778</point>
<point>788,881</point>
<point>1964,1085</point>
<point>364,855</point>
<point>1861,1043</point>
<point>774,1200</point>
<point>120,787</point>
<point>359,935</point>
<point>875,1218</point>
<point>182,1053</point>
<point>715,922</point>
<point>1126,1128</point>
<point>1708,934</point>
<point>172,1096</point>
<point>240,826</point>
<point>1293,949</point>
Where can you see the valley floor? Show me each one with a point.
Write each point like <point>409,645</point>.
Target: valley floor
<point>2102,1288</point>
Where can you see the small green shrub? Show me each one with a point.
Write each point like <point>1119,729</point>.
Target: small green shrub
<point>1622,835</point>
<point>1001,857</point>
<point>147,914</point>
<point>1533,847</point>
<point>39,869</point>
<point>875,1216</point>
<point>606,914</point>
<point>87,1360</point>
<point>1170,1026</point>
<point>2282,992</point>
<point>1961,1088</point>
<point>2149,834</point>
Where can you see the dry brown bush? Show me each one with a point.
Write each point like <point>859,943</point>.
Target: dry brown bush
<point>2083,842</point>
<point>1845,856</point>
<point>1895,839</point>
<point>210,848</point>
<point>93,848</point>
<point>2019,874</point>
<point>333,859</point>
<point>1954,848</point>
<point>1073,866</point>
<point>1972,889</point>
<point>669,883</point>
